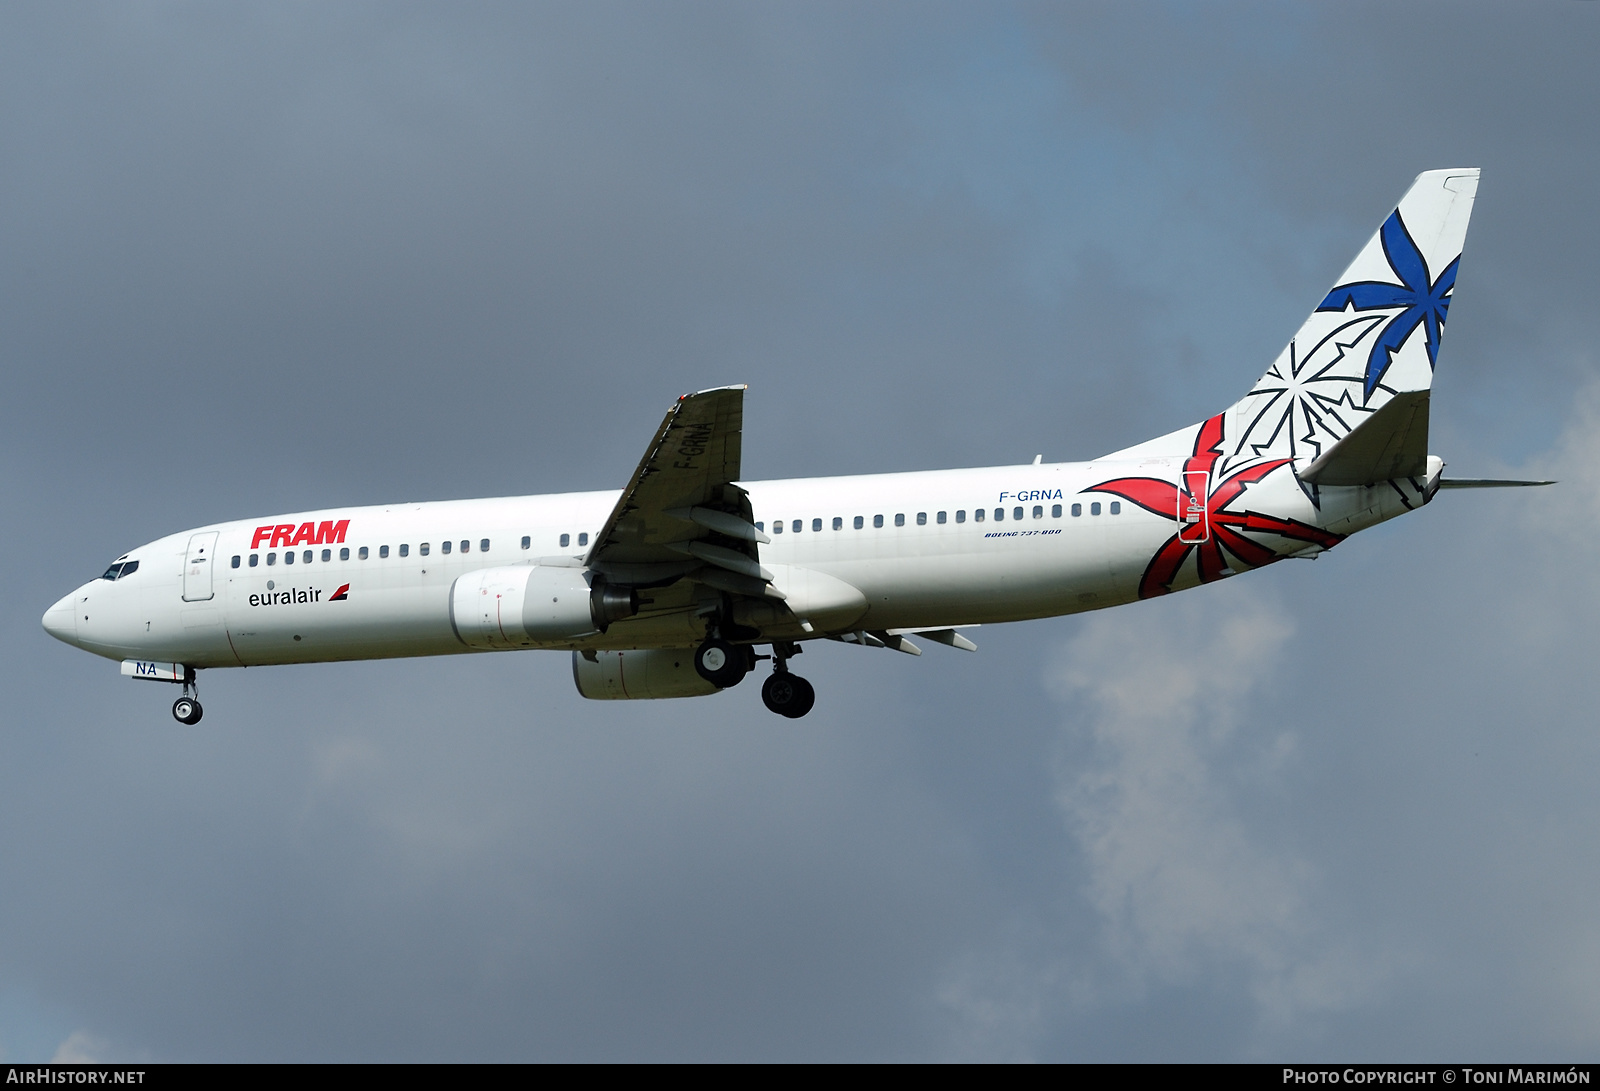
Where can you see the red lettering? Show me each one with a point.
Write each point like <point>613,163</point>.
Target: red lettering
<point>326,532</point>
<point>331,533</point>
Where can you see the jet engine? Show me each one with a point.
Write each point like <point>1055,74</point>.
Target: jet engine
<point>524,605</point>
<point>638,673</point>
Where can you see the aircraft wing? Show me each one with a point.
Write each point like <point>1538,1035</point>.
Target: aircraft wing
<point>681,511</point>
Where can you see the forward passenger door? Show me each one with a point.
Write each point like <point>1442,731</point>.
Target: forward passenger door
<point>197,567</point>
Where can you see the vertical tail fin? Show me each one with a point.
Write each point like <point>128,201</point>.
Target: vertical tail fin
<point>1374,337</point>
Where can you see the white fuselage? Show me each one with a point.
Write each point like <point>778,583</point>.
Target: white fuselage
<point>927,549</point>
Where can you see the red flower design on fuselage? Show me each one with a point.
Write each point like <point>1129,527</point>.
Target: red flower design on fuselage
<point>1220,528</point>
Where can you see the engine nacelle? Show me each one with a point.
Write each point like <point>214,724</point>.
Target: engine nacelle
<point>523,605</point>
<point>639,673</point>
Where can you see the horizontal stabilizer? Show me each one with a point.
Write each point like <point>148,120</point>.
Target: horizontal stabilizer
<point>1390,444</point>
<point>1487,483</point>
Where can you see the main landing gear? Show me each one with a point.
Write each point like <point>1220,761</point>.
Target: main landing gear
<point>186,709</point>
<point>784,693</point>
<point>724,665</point>
<point>788,694</point>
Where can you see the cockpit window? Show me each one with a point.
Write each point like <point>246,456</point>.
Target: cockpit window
<point>120,569</point>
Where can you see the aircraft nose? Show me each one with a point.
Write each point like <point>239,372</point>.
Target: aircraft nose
<point>60,621</point>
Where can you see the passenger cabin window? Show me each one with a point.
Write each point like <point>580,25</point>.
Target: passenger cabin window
<point>1116,507</point>
<point>961,516</point>
<point>977,515</point>
<point>859,521</point>
<point>344,553</point>
<point>940,518</point>
<point>288,556</point>
<point>877,520</point>
<point>255,559</point>
<point>1016,513</point>
<point>466,546</point>
<point>838,523</point>
<point>777,526</point>
<point>760,525</point>
<point>583,538</point>
<point>1055,511</point>
<point>272,559</point>
<point>483,546</point>
<point>422,549</point>
<point>362,553</point>
<point>566,540</point>
<point>999,515</point>
<point>1038,511</point>
<point>383,552</point>
<point>405,549</point>
<point>306,556</point>
<point>816,525</point>
<point>327,555</point>
<point>922,519</point>
<point>235,560</point>
<point>1077,510</point>
<point>796,526</point>
<point>1094,508</point>
<point>527,542</point>
<point>445,547</point>
<point>900,519</point>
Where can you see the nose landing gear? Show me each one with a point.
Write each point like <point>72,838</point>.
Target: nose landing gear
<point>784,693</point>
<point>186,709</point>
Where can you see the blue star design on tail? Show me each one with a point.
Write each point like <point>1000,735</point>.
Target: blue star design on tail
<point>1425,301</point>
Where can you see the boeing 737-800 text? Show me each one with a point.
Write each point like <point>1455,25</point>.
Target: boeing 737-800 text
<point>668,588</point>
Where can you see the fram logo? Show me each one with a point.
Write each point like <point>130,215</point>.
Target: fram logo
<point>326,532</point>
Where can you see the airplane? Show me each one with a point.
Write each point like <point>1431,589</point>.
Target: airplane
<point>668,587</point>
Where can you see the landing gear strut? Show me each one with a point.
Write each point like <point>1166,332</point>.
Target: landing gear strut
<point>186,709</point>
<point>784,693</point>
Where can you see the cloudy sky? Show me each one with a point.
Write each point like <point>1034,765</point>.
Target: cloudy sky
<point>261,258</point>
